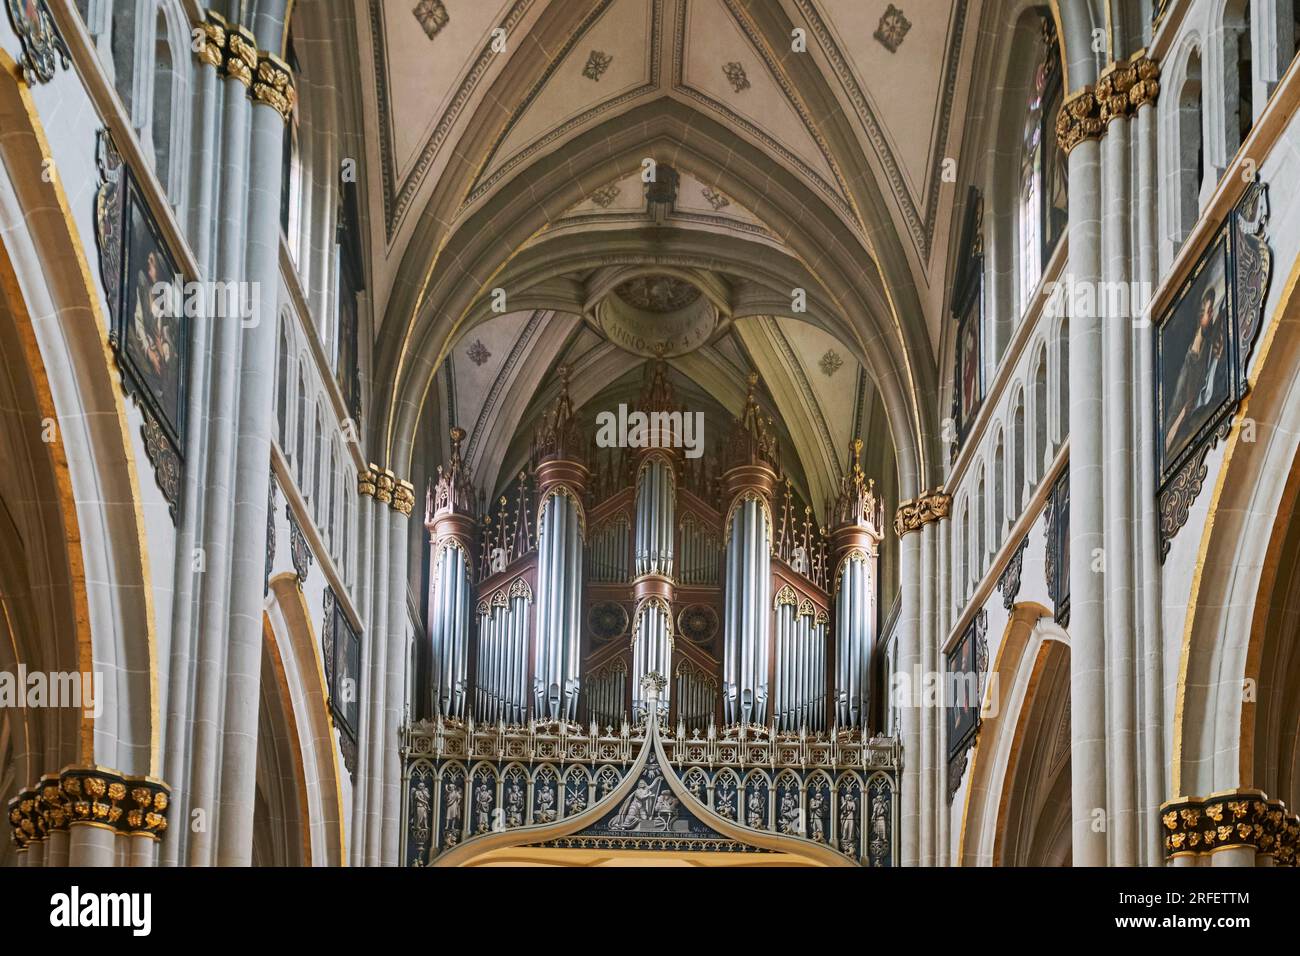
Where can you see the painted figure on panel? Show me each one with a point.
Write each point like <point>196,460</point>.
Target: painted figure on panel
<point>154,312</point>
<point>1202,383</point>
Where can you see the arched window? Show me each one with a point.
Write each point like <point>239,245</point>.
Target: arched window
<point>1238,75</point>
<point>282,389</point>
<point>999,488</point>
<point>291,180</point>
<point>122,44</point>
<point>333,479</point>
<point>345,550</point>
<point>1041,453</point>
<point>318,461</point>
<point>981,528</point>
<point>164,78</point>
<point>1191,149</point>
<point>1063,384</point>
<point>1018,454</point>
<point>1043,208</point>
<point>302,426</point>
<point>959,557</point>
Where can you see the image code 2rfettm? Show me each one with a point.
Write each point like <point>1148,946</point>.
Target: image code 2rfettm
<point>745,435</point>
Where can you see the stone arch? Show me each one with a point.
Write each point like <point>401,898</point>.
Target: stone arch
<point>1004,781</point>
<point>57,308</point>
<point>294,686</point>
<point>1240,571</point>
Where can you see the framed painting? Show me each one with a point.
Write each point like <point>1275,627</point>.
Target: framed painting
<point>149,325</point>
<point>345,692</point>
<point>1204,338</point>
<point>1197,384</point>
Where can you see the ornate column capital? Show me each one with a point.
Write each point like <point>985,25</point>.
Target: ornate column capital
<point>1233,819</point>
<point>239,58</point>
<point>273,84</point>
<point>403,497</point>
<point>1146,89</point>
<point>135,806</point>
<point>367,481</point>
<point>915,514</point>
<point>212,48</point>
<point>1113,88</point>
<point>384,483</point>
<point>1079,120</point>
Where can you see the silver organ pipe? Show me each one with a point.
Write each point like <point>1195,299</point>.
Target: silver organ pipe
<point>559,601</point>
<point>748,620</point>
<point>652,649</point>
<point>449,630</point>
<point>854,623</point>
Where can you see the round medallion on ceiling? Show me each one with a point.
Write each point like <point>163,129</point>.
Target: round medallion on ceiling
<point>657,315</point>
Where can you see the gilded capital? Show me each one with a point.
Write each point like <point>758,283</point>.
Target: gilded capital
<point>211,49</point>
<point>1147,88</point>
<point>240,59</point>
<point>914,515</point>
<point>384,484</point>
<point>1113,91</point>
<point>1079,120</point>
<point>404,497</point>
<point>273,84</point>
<point>366,481</point>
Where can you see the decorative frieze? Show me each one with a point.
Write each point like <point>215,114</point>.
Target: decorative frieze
<point>1079,120</point>
<point>384,483</point>
<point>914,514</point>
<point>403,497</point>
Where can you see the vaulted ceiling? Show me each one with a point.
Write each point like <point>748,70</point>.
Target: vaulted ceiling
<point>508,146</point>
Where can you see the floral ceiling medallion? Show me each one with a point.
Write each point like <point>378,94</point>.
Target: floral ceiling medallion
<point>735,73</point>
<point>597,63</point>
<point>432,15</point>
<point>893,28</point>
<point>831,363</point>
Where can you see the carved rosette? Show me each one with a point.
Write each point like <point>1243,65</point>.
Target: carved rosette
<point>1240,819</point>
<point>914,514</point>
<point>1079,120</point>
<point>273,84</point>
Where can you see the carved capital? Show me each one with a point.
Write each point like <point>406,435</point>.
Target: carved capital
<point>913,515</point>
<point>1147,88</point>
<point>403,497</point>
<point>1113,90</point>
<point>1079,120</point>
<point>366,482</point>
<point>1234,819</point>
<point>212,50</point>
<point>240,55</point>
<point>384,484</point>
<point>273,85</point>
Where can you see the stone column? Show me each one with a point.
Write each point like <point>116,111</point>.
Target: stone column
<point>909,663</point>
<point>378,674</point>
<point>364,588</point>
<point>395,665</point>
<point>239,62</point>
<point>915,523</point>
<point>1143,96</point>
<point>1079,128</point>
<point>1116,314</point>
<point>205,170</point>
<point>942,585</point>
<point>273,102</point>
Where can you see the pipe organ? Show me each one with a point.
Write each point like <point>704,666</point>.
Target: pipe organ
<point>596,567</point>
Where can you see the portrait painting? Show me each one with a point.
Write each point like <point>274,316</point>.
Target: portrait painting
<point>1195,355</point>
<point>969,385</point>
<point>345,692</point>
<point>962,714</point>
<point>153,326</point>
